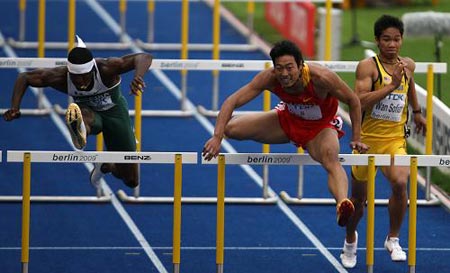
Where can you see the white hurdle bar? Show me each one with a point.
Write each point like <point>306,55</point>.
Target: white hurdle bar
<point>196,65</point>
<point>209,65</point>
<point>91,157</point>
<point>127,45</point>
<point>292,159</point>
<point>380,160</point>
<point>196,200</point>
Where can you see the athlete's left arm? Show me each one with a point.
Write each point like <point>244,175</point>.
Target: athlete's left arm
<point>140,62</point>
<point>336,87</point>
<point>419,120</point>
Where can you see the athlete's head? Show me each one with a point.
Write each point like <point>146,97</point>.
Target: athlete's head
<point>80,64</point>
<point>385,22</point>
<point>286,47</point>
<point>388,32</point>
<point>287,62</point>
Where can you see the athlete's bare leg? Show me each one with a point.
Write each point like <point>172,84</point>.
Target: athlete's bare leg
<point>261,127</point>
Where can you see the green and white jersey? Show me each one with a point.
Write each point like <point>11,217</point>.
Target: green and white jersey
<point>99,98</point>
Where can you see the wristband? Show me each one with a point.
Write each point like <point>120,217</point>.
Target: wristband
<point>417,111</point>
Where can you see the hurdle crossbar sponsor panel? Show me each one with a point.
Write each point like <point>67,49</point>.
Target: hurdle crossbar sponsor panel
<point>270,199</point>
<point>197,65</point>
<point>86,157</point>
<point>295,159</point>
<point>209,65</point>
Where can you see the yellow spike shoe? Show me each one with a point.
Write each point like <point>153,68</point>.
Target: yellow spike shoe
<point>75,124</point>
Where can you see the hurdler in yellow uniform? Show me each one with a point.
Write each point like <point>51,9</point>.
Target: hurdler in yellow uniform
<point>385,87</point>
<point>383,126</point>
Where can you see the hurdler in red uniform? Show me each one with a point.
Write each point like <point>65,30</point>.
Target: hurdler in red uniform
<point>310,95</point>
<point>303,116</point>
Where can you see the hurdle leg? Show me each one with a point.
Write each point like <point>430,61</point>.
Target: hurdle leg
<point>412,215</point>
<point>26,188</point>
<point>370,214</point>
<point>215,96</point>
<point>300,176</point>
<point>123,20</point>
<point>22,8</point>
<point>177,214</point>
<point>220,213</point>
<point>151,21</point>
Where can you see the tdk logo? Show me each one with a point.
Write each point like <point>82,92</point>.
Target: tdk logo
<point>396,96</point>
<point>137,157</point>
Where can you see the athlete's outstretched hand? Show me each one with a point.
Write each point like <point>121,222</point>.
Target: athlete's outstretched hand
<point>211,148</point>
<point>359,146</point>
<point>137,85</point>
<point>11,114</point>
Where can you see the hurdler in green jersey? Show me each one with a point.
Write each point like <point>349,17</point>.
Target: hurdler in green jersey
<point>99,106</point>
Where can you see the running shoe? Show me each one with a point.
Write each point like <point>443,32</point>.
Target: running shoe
<point>392,244</point>
<point>75,124</point>
<point>345,210</point>
<point>96,175</point>
<point>348,255</point>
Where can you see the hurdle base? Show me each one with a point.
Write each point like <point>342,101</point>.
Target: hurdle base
<point>330,201</point>
<point>64,45</point>
<point>145,113</point>
<point>195,46</point>
<point>196,200</point>
<point>70,199</point>
<point>30,112</point>
<point>213,114</point>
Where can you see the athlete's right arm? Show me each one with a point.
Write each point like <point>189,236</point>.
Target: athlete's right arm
<point>242,96</point>
<point>366,74</point>
<point>53,77</point>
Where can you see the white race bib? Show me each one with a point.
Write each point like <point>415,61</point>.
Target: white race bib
<point>305,111</point>
<point>390,108</point>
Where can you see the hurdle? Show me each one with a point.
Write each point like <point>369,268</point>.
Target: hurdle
<point>268,198</point>
<point>275,159</point>
<point>27,157</point>
<point>414,161</point>
<point>122,44</point>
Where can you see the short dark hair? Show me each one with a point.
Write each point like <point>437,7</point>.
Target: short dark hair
<point>286,47</point>
<point>387,21</point>
<point>80,55</point>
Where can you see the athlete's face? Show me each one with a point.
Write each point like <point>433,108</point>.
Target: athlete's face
<point>286,70</point>
<point>82,81</point>
<point>390,42</point>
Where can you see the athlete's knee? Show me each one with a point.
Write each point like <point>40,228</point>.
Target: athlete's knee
<point>232,130</point>
<point>399,187</point>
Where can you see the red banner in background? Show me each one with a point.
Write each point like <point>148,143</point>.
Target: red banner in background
<point>296,22</point>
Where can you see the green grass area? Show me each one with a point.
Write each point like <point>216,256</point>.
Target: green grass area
<point>421,49</point>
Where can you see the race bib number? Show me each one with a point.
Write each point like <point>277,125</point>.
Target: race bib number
<point>305,111</point>
<point>99,102</point>
<point>390,108</point>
